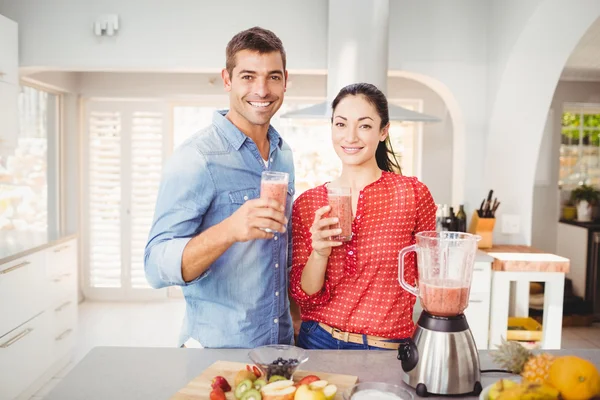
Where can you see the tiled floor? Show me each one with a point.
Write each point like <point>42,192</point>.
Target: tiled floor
<point>158,324</point>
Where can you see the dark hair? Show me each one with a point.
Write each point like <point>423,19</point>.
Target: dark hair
<point>255,39</point>
<point>385,156</point>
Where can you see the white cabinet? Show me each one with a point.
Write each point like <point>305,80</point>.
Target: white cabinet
<point>9,85</point>
<point>9,117</point>
<point>38,316</point>
<point>478,310</point>
<point>9,51</point>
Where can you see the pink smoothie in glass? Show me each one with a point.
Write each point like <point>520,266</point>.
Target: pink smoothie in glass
<point>443,297</point>
<point>341,207</point>
<point>274,190</point>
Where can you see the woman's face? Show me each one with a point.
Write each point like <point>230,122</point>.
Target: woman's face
<point>356,132</point>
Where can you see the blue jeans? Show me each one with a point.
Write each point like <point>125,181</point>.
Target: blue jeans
<point>312,336</point>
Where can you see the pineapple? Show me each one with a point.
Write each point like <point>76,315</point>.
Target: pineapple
<point>519,360</point>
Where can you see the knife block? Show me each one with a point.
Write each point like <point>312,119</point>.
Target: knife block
<point>483,227</point>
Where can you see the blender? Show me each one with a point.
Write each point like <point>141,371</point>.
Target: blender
<point>441,357</point>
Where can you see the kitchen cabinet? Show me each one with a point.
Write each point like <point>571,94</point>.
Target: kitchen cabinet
<point>478,310</point>
<point>9,86</point>
<point>38,316</point>
<point>580,242</point>
<point>9,51</point>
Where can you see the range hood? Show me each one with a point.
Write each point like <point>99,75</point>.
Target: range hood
<point>357,51</point>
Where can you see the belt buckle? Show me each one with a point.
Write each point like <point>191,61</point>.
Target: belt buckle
<point>345,335</point>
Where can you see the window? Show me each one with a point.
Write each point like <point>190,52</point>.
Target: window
<point>580,146</point>
<point>124,151</point>
<point>29,168</point>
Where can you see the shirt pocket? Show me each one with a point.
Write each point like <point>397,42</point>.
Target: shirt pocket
<point>239,197</point>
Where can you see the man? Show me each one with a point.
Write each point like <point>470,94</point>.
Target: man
<point>210,228</point>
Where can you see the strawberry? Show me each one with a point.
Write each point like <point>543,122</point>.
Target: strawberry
<point>217,394</point>
<point>256,371</point>
<point>220,382</point>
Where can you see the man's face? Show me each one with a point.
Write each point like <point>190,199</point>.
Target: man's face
<point>256,86</point>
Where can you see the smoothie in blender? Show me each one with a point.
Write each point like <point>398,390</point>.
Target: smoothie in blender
<point>444,297</point>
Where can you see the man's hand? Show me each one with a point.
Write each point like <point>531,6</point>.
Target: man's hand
<point>248,222</point>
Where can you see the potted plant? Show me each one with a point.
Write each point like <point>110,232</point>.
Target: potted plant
<point>584,197</point>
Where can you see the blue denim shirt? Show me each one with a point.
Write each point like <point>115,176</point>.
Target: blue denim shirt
<point>241,300</point>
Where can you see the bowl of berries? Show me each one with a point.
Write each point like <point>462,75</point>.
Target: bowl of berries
<point>278,361</point>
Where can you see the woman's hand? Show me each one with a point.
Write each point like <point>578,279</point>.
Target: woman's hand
<point>321,233</point>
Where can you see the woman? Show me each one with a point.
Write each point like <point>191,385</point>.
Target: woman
<point>348,293</point>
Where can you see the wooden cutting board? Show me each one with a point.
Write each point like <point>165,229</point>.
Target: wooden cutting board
<point>199,388</point>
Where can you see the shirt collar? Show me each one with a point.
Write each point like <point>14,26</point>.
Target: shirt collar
<point>236,137</point>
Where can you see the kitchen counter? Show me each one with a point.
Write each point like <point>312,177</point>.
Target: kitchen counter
<point>594,225</point>
<point>15,244</point>
<point>158,373</point>
<point>482,256</point>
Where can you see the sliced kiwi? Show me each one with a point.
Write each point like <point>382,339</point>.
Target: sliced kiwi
<point>275,378</point>
<point>259,383</point>
<point>243,386</point>
<point>251,394</point>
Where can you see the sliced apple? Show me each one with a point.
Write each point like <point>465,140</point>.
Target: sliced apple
<point>318,385</point>
<point>329,391</point>
<point>304,392</point>
<point>279,390</point>
<point>307,380</point>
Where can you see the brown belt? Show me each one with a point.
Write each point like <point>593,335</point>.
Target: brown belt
<point>374,341</point>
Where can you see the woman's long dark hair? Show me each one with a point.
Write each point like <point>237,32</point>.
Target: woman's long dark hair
<point>385,156</point>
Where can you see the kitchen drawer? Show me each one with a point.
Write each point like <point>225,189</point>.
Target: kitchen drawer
<point>478,317</point>
<point>62,288</point>
<point>61,259</point>
<point>63,316</point>
<point>25,354</point>
<point>63,342</point>
<point>22,291</point>
<point>482,278</point>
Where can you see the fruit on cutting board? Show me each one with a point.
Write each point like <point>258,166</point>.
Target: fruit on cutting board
<point>221,382</point>
<point>259,383</point>
<point>279,390</point>
<point>242,375</point>
<point>519,360</point>
<point>217,394</point>
<point>251,394</point>
<point>575,378</point>
<point>328,389</point>
<point>275,378</point>
<point>243,386</point>
<point>307,380</point>
<point>529,391</point>
<point>304,392</point>
<point>499,387</point>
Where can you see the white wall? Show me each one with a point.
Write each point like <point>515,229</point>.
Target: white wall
<point>546,208</point>
<point>519,109</point>
<point>159,35</point>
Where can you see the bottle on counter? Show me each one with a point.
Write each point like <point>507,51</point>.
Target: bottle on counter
<point>461,219</point>
<point>451,220</point>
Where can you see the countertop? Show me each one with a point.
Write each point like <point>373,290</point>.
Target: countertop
<point>15,244</point>
<point>158,373</point>
<point>482,256</point>
<point>592,225</point>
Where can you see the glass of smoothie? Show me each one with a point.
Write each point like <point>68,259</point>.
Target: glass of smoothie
<point>340,200</point>
<point>274,185</point>
<point>445,263</point>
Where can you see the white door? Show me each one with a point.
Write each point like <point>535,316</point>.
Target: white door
<point>123,154</point>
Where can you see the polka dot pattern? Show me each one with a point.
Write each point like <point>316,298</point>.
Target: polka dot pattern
<point>361,293</point>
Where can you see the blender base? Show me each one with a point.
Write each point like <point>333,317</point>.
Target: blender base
<point>441,358</point>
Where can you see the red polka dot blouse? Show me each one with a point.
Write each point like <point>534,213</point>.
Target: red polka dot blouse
<point>361,293</point>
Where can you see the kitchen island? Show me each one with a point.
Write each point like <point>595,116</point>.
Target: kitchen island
<point>157,373</point>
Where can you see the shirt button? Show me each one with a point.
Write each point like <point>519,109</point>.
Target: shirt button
<point>276,293</point>
<point>350,252</point>
<point>276,265</point>
<point>275,238</point>
<point>361,196</point>
<point>358,217</point>
<point>275,320</point>
<point>271,159</point>
<point>245,197</point>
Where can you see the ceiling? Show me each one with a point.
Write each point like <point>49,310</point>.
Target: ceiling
<point>584,62</point>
